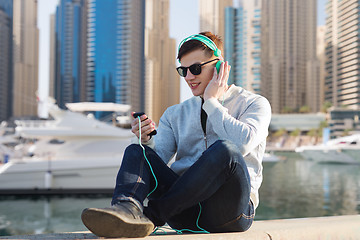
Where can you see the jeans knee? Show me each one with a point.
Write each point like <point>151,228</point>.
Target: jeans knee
<point>133,149</point>
<point>225,148</point>
<point>226,153</point>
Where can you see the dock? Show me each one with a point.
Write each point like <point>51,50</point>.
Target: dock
<point>336,227</point>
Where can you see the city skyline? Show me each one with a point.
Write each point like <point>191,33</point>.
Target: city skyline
<point>121,56</point>
<point>181,26</point>
<point>179,29</point>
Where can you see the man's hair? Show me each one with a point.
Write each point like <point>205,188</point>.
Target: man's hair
<point>194,44</point>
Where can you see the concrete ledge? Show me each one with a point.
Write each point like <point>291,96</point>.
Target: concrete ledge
<point>339,227</point>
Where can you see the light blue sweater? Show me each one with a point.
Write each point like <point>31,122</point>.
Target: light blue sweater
<point>243,118</point>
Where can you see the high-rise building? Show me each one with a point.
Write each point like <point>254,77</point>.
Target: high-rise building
<point>70,55</point>
<point>242,44</point>
<point>320,52</point>
<point>212,15</point>
<point>52,59</point>
<point>342,78</point>
<point>289,75</point>
<point>116,52</point>
<point>26,57</point>
<point>6,14</point>
<point>162,85</point>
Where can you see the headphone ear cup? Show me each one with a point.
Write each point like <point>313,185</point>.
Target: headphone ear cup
<point>218,64</point>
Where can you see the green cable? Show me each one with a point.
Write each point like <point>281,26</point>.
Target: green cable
<point>156,181</point>
<point>197,225</point>
<point>156,185</point>
<point>183,230</point>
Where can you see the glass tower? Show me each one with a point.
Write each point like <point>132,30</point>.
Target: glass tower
<point>242,44</point>
<point>70,31</point>
<point>115,63</point>
<point>6,59</point>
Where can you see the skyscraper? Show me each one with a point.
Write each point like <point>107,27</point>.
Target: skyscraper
<point>288,54</point>
<point>52,57</point>
<point>242,44</point>
<point>116,52</point>
<point>320,52</point>
<point>6,13</point>
<point>162,85</point>
<point>70,44</point>
<point>26,57</point>
<point>342,79</point>
<point>212,15</point>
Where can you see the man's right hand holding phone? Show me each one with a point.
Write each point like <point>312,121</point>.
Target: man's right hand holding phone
<point>147,126</point>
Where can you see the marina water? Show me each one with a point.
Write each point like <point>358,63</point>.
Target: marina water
<point>292,188</point>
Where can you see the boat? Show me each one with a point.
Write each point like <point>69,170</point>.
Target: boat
<point>71,153</point>
<point>340,150</point>
<point>8,139</point>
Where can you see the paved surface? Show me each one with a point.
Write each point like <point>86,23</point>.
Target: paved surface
<point>339,227</point>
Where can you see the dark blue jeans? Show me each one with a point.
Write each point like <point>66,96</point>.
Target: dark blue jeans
<point>219,180</point>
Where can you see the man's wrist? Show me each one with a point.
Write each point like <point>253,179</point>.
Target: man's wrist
<point>145,141</point>
<point>149,143</point>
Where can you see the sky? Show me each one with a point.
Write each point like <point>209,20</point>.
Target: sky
<point>184,21</point>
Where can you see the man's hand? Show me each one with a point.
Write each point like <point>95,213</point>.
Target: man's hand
<point>218,84</point>
<point>147,126</point>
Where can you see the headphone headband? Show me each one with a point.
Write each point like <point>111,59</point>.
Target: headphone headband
<point>204,39</point>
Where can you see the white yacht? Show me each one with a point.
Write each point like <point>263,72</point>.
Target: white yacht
<point>340,150</point>
<point>71,153</point>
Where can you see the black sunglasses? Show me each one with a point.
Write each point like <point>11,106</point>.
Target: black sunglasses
<point>194,69</point>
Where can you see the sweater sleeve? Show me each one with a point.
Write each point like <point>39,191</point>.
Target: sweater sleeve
<point>164,141</point>
<point>247,130</point>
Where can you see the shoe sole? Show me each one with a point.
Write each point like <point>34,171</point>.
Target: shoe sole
<point>105,224</point>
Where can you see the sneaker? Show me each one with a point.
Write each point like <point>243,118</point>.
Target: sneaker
<point>121,220</point>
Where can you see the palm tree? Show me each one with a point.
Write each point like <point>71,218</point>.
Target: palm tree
<point>326,106</point>
<point>287,109</point>
<point>304,109</point>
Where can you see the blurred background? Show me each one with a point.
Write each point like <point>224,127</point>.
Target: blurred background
<point>59,57</point>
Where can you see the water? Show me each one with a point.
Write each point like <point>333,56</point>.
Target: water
<point>291,188</point>
<point>45,215</point>
<point>297,188</point>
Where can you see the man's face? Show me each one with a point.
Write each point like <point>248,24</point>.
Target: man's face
<point>198,83</point>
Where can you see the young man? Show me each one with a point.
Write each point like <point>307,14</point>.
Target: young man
<point>218,137</point>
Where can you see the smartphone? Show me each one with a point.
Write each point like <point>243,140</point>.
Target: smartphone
<point>138,114</point>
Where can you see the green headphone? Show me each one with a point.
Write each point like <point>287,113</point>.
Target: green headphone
<point>209,43</point>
